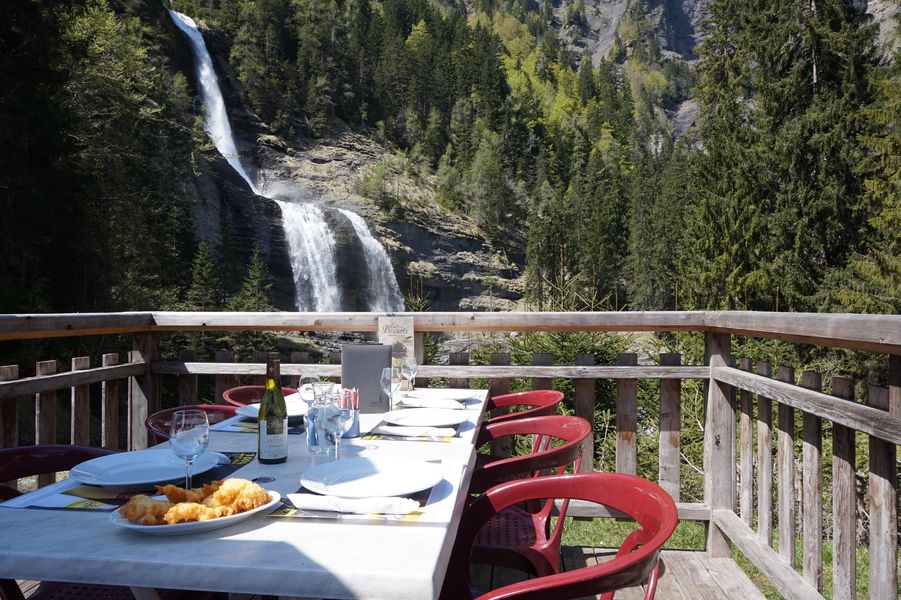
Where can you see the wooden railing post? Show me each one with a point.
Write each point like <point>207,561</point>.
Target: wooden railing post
<point>80,417</point>
<point>542,359</point>
<point>45,416</point>
<point>719,444</point>
<point>419,355</point>
<point>187,384</point>
<point>259,356</point>
<point>298,357</point>
<point>143,390</point>
<point>626,418</point>
<point>746,451</point>
<point>223,382</point>
<point>765,461</point>
<point>583,406</point>
<point>844,501</point>
<point>457,358</point>
<point>884,494</point>
<point>670,428</point>
<point>109,394</point>
<point>498,387</point>
<point>785,461</point>
<point>812,489</point>
<point>9,411</point>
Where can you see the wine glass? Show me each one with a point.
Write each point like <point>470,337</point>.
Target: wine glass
<point>338,418</point>
<point>390,383</point>
<point>408,369</point>
<point>189,436</point>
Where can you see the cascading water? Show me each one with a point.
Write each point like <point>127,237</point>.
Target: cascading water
<point>310,242</point>
<point>386,294</point>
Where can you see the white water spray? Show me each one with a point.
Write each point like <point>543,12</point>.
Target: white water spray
<point>385,296</point>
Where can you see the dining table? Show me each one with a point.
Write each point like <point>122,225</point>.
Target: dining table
<point>282,553</point>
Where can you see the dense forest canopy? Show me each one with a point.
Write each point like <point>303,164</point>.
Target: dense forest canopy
<point>782,196</point>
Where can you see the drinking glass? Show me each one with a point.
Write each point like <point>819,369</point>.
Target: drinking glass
<point>408,369</point>
<point>189,436</point>
<point>390,383</point>
<point>338,419</point>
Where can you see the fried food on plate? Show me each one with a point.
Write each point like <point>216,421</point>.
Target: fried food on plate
<point>218,499</point>
<point>145,510</point>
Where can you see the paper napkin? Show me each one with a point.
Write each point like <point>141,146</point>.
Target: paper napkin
<point>362,506</point>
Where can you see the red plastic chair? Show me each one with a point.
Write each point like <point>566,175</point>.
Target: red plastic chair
<point>636,560</point>
<point>536,403</point>
<point>26,461</point>
<point>158,423</point>
<point>249,394</point>
<point>523,537</point>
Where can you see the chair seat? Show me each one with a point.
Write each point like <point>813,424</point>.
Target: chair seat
<point>510,538</point>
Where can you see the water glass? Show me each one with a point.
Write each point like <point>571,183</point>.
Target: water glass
<point>337,418</point>
<point>408,370</point>
<point>189,437</point>
<point>391,379</point>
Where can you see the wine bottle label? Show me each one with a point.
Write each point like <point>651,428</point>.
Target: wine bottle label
<point>273,439</point>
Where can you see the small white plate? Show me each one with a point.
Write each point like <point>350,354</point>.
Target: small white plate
<point>452,394</point>
<point>143,467</point>
<point>443,403</point>
<point>296,408</point>
<point>194,526</point>
<point>426,417</point>
<point>367,477</point>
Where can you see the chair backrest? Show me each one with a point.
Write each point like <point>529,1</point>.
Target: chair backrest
<point>249,394</point>
<point>537,402</point>
<point>648,504</point>
<point>158,423</point>
<point>26,461</point>
<point>361,368</point>
<point>544,456</point>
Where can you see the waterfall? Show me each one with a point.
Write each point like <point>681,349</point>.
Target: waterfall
<point>310,241</point>
<point>386,296</point>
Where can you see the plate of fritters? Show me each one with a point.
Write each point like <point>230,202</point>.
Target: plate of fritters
<point>178,511</point>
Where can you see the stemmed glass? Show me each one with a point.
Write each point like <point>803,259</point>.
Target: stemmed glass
<point>390,383</point>
<point>189,436</point>
<point>339,418</point>
<point>408,369</point>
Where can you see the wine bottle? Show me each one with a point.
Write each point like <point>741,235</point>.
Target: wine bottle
<point>273,417</point>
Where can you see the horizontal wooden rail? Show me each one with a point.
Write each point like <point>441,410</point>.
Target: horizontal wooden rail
<point>47,383</point>
<point>856,416</point>
<point>457,371</point>
<point>788,581</point>
<point>688,511</point>
<point>26,327</point>
<point>877,333</point>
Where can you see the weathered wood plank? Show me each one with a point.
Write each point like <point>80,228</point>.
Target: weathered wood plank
<point>59,381</point>
<point>187,384</point>
<point>746,451</point>
<point>688,511</point>
<point>450,371</point>
<point>420,356</point>
<point>626,418</point>
<point>765,461</point>
<point>9,411</point>
<point>789,583</point>
<point>732,580</point>
<point>865,419</point>
<point>143,390</point>
<point>498,387</point>
<point>80,416</point>
<point>29,327</point>
<point>812,489</point>
<point>259,357</point>
<point>882,506</point>
<point>844,501</point>
<point>109,401</point>
<point>542,359</point>
<point>583,406</point>
<point>223,380</point>
<point>685,567</point>
<point>298,358</point>
<point>670,429</point>
<point>45,416</point>
<point>719,444</point>
<point>458,359</point>
<point>785,463</point>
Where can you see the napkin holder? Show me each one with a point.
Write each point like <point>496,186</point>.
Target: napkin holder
<point>361,368</point>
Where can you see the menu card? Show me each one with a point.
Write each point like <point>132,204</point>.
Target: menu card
<point>397,332</point>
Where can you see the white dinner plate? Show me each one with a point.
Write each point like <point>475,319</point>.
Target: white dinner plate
<point>443,403</point>
<point>296,408</point>
<point>193,526</point>
<point>453,394</point>
<point>143,467</point>
<point>426,417</point>
<point>366,477</point>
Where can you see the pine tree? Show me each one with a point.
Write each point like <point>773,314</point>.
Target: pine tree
<point>255,295</point>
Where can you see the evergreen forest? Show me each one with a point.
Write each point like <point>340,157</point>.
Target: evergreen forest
<point>782,195</point>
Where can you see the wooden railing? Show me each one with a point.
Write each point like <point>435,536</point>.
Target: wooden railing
<point>730,459</point>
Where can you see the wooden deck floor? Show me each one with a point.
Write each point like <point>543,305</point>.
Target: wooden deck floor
<point>686,575</point>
